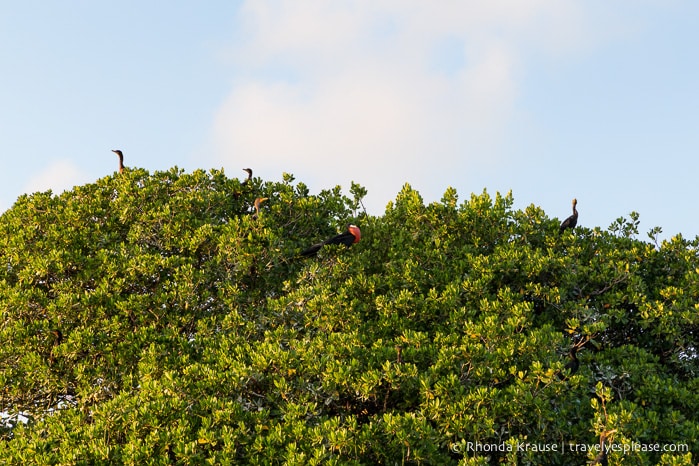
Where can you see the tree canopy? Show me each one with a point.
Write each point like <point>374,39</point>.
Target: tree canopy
<point>152,318</point>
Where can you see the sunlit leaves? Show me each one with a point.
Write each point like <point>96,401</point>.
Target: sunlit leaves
<point>150,318</point>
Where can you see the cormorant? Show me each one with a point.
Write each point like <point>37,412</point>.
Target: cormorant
<point>256,205</point>
<point>58,336</point>
<point>121,159</point>
<point>571,366</point>
<point>601,457</point>
<point>245,181</point>
<point>571,221</point>
<point>399,352</point>
<point>249,172</point>
<point>348,238</point>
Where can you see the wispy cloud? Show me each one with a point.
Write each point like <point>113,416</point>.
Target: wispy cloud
<point>59,176</point>
<point>382,92</point>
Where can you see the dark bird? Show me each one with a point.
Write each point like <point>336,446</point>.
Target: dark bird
<point>348,238</point>
<point>256,205</point>
<point>245,181</point>
<point>601,457</point>
<point>121,159</point>
<point>58,336</point>
<point>399,353</point>
<point>57,339</point>
<point>571,366</point>
<point>249,172</point>
<point>571,221</point>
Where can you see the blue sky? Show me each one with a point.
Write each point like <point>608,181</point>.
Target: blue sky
<point>552,99</point>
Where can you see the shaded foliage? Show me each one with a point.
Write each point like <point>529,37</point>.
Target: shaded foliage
<point>151,318</point>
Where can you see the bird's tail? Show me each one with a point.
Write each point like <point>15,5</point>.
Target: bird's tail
<point>312,250</point>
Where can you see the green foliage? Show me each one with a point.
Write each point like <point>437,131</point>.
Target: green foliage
<point>150,318</point>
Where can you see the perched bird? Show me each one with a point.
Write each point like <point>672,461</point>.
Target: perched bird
<point>245,181</point>
<point>601,457</point>
<point>249,172</point>
<point>571,221</point>
<point>121,159</point>
<point>58,336</point>
<point>256,205</point>
<point>348,238</point>
<point>571,366</point>
<point>57,339</point>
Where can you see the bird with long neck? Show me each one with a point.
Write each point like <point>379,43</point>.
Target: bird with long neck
<point>571,366</point>
<point>249,172</point>
<point>571,221</point>
<point>245,181</point>
<point>348,238</point>
<point>256,205</point>
<point>601,457</point>
<point>121,159</point>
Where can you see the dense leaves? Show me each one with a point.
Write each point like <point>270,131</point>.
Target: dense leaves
<point>151,318</point>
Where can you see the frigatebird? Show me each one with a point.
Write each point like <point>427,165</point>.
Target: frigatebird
<point>348,238</point>
<point>571,221</point>
<point>121,159</point>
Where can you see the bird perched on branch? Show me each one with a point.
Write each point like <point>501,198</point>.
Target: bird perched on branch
<point>121,159</point>
<point>348,238</point>
<point>249,172</point>
<point>601,457</point>
<point>571,366</point>
<point>571,221</point>
<point>245,181</point>
<point>256,205</point>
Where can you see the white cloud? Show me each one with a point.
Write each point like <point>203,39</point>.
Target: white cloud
<point>59,176</point>
<point>339,91</point>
